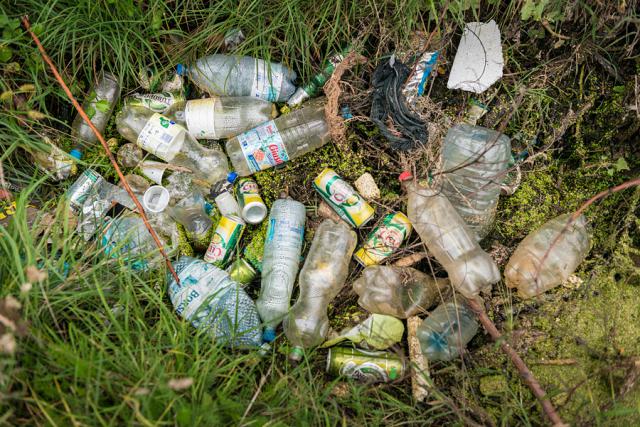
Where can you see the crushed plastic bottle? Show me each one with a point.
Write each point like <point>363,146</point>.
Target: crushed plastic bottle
<point>99,106</point>
<point>321,278</point>
<point>401,292</point>
<point>444,334</point>
<point>477,159</point>
<point>313,88</point>
<point>225,117</point>
<point>212,301</point>
<point>278,141</point>
<point>450,240</point>
<point>525,270</point>
<point>190,212</point>
<point>280,263</point>
<point>171,142</point>
<point>224,75</point>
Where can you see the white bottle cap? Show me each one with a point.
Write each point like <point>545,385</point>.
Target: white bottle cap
<point>254,212</point>
<point>156,198</point>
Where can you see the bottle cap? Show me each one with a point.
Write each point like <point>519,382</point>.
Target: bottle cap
<point>296,354</point>
<point>76,154</point>
<point>156,198</point>
<point>181,70</point>
<point>232,176</point>
<point>269,334</point>
<point>405,176</point>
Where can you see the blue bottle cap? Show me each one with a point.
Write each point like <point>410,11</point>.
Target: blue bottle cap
<point>232,176</point>
<point>269,334</point>
<point>181,70</point>
<point>76,154</point>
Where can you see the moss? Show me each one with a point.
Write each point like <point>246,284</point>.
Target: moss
<point>254,249</point>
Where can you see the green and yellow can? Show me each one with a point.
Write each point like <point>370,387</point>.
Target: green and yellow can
<point>225,239</point>
<point>366,366</point>
<point>384,240</point>
<point>341,196</point>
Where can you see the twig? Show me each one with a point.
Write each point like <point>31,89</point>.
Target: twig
<point>263,380</point>
<point>420,367</point>
<point>410,260</point>
<point>556,362</point>
<point>54,70</point>
<point>522,368</point>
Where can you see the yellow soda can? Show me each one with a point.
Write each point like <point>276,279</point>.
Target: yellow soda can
<point>384,240</point>
<point>252,207</point>
<point>341,196</point>
<point>225,238</point>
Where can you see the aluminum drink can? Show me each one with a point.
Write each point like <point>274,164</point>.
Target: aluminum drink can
<point>367,366</point>
<point>341,196</point>
<point>157,102</point>
<point>225,238</point>
<point>384,240</point>
<point>252,207</point>
<point>242,272</point>
<point>82,188</point>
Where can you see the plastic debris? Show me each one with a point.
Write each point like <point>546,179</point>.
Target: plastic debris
<point>376,332</point>
<point>478,63</point>
<point>420,72</point>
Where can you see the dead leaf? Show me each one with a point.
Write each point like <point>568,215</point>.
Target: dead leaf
<point>7,344</point>
<point>35,275</point>
<point>178,384</point>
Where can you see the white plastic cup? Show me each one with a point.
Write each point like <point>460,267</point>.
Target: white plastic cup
<point>156,198</point>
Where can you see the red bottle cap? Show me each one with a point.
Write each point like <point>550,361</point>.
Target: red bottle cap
<point>405,176</point>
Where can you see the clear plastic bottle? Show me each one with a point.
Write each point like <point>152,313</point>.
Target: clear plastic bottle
<point>216,118</point>
<point>226,75</point>
<point>278,141</point>
<point>478,159</point>
<point>524,270</point>
<point>321,278</point>
<point>129,155</point>
<point>99,106</point>
<point>212,301</point>
<point>171,142</point>
<point>401,292</point>
<point>450,241</point>
<point>280,263</point>
<point>444,334</point>
<point>190,212</point>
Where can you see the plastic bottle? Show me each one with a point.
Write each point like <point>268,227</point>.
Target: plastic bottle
<point>450,240</point>
<point>525,270</point>
<point>55,162</point>
<point>401,292</point>
<point>226,75</point>
<point>323,275</point>
<point>444,334</point>
<point>216,118</point>
<point>212,301</point>
<point>190,212</point>
<point>317,82</point>
<point>99,106</point>
<point>278,141</point>
<point>280,262</point>
<point>163,103</point>
<point>129,155</point>
<point>171,142</point>
<point>222,194</point>
<point>478,159</point>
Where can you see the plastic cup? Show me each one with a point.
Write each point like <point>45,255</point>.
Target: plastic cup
<point>156,198</point>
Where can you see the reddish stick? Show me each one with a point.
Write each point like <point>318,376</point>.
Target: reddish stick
<point>522,368</point>
<point>54,70</point>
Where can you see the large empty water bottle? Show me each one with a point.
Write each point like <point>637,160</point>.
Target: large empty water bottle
<point>446,331</point>
<point>401,292</point>
<point>475,161</point>
<point>224,117</point>
<point>526,269</point>
<point>278,141</point>
<point>450,240</point>
<point>225,75</point>
<point>99,106</point>
<point>323,275</point>
<point>280,263</point>
<point>212,301</point>
<point>171,142</point>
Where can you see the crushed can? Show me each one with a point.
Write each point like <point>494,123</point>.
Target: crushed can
<point>242,272</point>
<point>341,196</point>
<point>384,240</point>
<point>225,238</point>
<point>366,366</point>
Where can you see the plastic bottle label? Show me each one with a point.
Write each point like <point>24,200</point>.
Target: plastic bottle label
<point>156,102</point>
<point>162,137</point>
<point>199,115</point>
<point>266,83</point>
<point>263,147</point>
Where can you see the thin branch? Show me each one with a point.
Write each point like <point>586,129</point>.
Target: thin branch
<point>54,70</point>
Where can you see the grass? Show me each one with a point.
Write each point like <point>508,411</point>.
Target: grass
<point>103,345</point>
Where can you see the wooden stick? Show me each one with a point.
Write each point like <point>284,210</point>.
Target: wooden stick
<point>56,74</point>
<point>419,365</point>
<point>522,368</point>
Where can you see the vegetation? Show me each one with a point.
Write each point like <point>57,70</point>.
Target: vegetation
<point>98,344</point>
